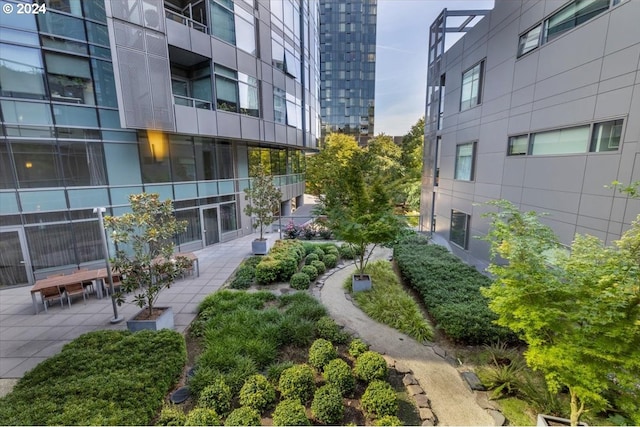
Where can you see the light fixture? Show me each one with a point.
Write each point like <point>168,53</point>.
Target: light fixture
<point>28,165</point>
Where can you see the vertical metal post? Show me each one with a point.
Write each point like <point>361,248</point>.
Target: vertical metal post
<point>105,249</point>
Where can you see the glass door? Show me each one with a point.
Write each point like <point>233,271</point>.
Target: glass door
<point>210,225</point>
<point>14,260</point>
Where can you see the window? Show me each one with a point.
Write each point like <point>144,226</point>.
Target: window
<point>576,13</point>
<point>183,162</point>
<point>236,92</point>
<point>606,136</point>
<point>459,230</point>
<point>561,141</point>
<point>154,157</point>
<point>464,162</point>
<point>192,233</point>
<point>62,25</point>
<point>222,22</point>
<point>228,217</point>
<point>471,87</point>
<point>36,164</point>
<point>21,72</point>
<point>213,160</point>
<point>249,99</point>
<point>69,79</point>
<point>245,32</point>
<point>518,145</point>
<point>530,40</point>
<point>82,163</point>
<point>192,87</point>
<point>279,106</point>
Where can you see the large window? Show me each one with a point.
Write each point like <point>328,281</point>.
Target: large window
<point>459,230</point>
<point>69,79</point>
<point>214,160</point>
<point>245,32</point>
<point>606,136</point>
<point>279,105</point>
<point>236,92</point>
<point>464,162</point>
<point>571,16</point>
<point>183,162</point>
<point>21,72</point>
<point>192,87</point>
<point>529,40</point>
<point>228,217</point>
<point>562,141</point>
<point>471,93</point>
<point>82,163</point>
<point>37,164</point>
<point>193,231</point>
<point>222,22</point>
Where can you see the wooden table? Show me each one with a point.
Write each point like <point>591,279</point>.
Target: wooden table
<point>80,276</point>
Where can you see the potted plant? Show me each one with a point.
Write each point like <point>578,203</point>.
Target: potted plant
<point>264,198</point>
<point>144,257</point>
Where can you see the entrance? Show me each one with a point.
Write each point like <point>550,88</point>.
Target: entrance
<point>210,225</point>
<point>15,267</point>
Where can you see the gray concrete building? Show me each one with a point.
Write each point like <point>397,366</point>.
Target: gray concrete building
<point>539,104</point>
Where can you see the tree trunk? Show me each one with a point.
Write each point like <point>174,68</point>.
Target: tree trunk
<point>576,409</point>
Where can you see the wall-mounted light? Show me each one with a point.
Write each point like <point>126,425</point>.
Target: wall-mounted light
<point>28,165</point>
<point>157,145</point>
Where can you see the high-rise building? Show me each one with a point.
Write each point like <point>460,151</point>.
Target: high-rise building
<point>348,67</point>
<point>100,99</point>
<point>542,108</point>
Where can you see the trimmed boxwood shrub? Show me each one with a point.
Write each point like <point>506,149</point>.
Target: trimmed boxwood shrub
<point>346,252</point>
<point>338,373</point>
<point>370,366</point>
<point>330,260</point>
<point>321,352</point>
<point>257,393</point>
<point>310,258</point>
<point>203,417</point>
<point>318,251</point>
<point>288,267</point>
<point>216,396</point>
<point>310,271</point>
<point>380,399</point>
<point>327,405</point>
<point>267,271</point>
<point>246,416</point>
<point>319,265</point>
<point>388,420</point>
<point>171,416</point>
<point>357,347</point>
<point>297,383</point>
<point>300,281</point>
<point>290,412</point>
<point>275,370</point>
<point>244,278</point>
<point>328,329</point>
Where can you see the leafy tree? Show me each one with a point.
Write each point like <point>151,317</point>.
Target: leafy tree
<point>321,167</point>
<point>385,157</point>
<point>579,312</point>
<point>411,166</point>
<point>144,257</point>
<point>264,198</point>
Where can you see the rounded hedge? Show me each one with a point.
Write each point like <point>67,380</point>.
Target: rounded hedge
<point>370,366</point>
<point>310,271</point>
<point>321,352</point>
<point>319,265</point>
<point>330,260</point>
<point>318,251</point>
<point>338,374</point>
<point>300,281</point>
<point>216,396</point>
<point>171,416</point>
<point>203,417</point>
<point>311,257</point>
<point>288,267</point>
<point>346,252</point>
<point>244,416</point>
<point>327,328</point>
<point>357,347</point>
<point>257,393</point>
<point>267,271</point>
<point>290,412</point>
<point>297,382</point>
<point>380,399</point>
<point>388,420</point>
<point>327,405</point>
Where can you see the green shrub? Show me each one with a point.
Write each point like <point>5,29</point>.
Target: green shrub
<point>357,347</point>
<point>287,248</point>
<point>203,417</point>
<point>311,257</point>
<point>244,277</point>
<point>288,267</point>
<point>346,252</point>
<point>321,352</point>
<point>338,373</point>
<point>275,370</point>
<point>379,399</point>
<point>296,331</point>
<point>267,271</point>
<point>327,328</point>
<point>244,416</point>
<point>257,393</point>
<point>370,366</point>
<point>171,416</point>
<point>300,281</point>
<point>319,265</point>
<point>388,420</point>
<point>310,271</point>
<point>330,260</point>
<point>216,396</point>
<point>318,251</point>
<point>290,412</point>
<point>309,247</point>
<point>297,383</point>
<point>327,405</point>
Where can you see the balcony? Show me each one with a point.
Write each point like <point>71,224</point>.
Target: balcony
<point>191,14</point>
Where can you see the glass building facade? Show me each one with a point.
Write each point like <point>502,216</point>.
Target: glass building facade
<point>347,67</point>
<point>102,99</point>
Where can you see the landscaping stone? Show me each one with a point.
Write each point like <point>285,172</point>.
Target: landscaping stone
<point>483,401</point>
<point>498,417</point>
<point>426,414</point>
<point>439,351</point>
<point>390,362</point>
<point>414,390</point>
<point>408,379</point>
<point>180,395</point>
<point>429,423</point>
<point>402,368</point>
<point>422,401</point>
<point>474,382</point>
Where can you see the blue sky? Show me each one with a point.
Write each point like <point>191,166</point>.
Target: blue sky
<point>401,61</point>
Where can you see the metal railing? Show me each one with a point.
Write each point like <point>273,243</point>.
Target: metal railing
<point>185,20</point>
<point>192,102</point>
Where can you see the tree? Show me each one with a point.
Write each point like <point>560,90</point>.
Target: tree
<point>579,312</point>
<point>264,198</point>
<point>322,167</point>
<point>144,255</point>
<point>411,166</point>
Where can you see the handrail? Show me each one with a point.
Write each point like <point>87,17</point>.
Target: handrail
<point>185,20</point>
<point>193,102</point>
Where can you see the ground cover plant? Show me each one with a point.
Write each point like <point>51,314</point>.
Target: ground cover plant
<point>388,303</point>
<point>450,290</point>
<point>100,378</point>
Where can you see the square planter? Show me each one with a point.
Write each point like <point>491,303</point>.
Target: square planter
<point>360,282</point>
<point>164,321</point>
<point>548,420</point>
<point>260,247</point>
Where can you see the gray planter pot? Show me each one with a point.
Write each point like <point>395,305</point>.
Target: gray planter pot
<point>548,420</point>
<point>260,247</point>
<point>165,321</point>
<point>360,283</point>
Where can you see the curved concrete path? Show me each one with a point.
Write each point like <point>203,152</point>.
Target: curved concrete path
<point>452,401</point>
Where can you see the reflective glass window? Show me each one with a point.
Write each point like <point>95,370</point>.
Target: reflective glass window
<point>574,14</point>
<point>69,115</point>
<point>6,170</point>
<point>63,44</point>
<point>249,97</point>
<point>279,105</point>
<point>36,164</point>
<point>88,241</point>
<point>222,21</point>
<point>61,25</point>
<point>123,164</point>
<point>228,217</point>
<point>21,72</point>
<point>471,92</point>
<point>24,21</point>
<point>105,85</point>
<point>69,79</point>
<point>193,231</point>
<point>561,141</point>
<point>464,162</point>
<point>26,112</point>
<point>82,163</point>
<point>95,10</point>
<point>606,136</point>
<point>73,7</point>
<point>50,245</point>
<point>530,40</point>
<point>183,163</point>
<point>224,160</point>
<point>154,153</point>
<point>97,33</point>
<point>245,31</point>
<point>17,36</point>
<point>459,230</point>
<point>518,145</point>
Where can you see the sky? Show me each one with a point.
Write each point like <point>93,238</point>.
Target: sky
<point>401,58</point>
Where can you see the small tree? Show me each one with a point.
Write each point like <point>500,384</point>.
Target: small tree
<point>144,255</point>
<point>264,198</point>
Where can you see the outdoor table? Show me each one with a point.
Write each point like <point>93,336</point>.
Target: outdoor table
<point>188,255</point>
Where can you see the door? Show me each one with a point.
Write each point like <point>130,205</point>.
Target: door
<point>14,259</point>
<point>210,226</point>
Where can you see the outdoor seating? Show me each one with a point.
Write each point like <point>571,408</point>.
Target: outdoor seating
<point>50,294</point>
<point>75,289</point>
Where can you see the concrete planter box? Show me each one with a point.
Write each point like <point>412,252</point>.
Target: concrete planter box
<point>165,321</point>
<point>360,282</point>
<point>260,247</point>
<point>548,420</point>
